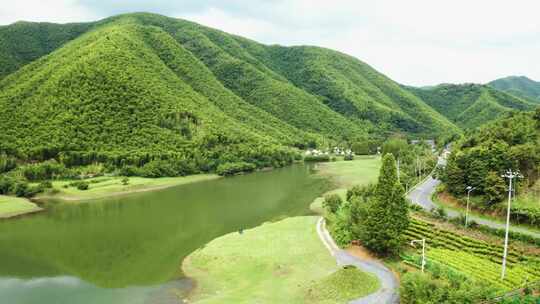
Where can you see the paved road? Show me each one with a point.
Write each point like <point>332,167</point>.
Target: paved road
<point>387,294</point>
<point>421,195</point>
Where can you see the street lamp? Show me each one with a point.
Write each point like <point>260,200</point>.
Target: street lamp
<point>510,175</point>
<point>423,241</point>
<point>469,189</point>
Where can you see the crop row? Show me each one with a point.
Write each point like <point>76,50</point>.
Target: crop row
<point>474,258</point>
<point>446,239</point>
<point>482,269</point>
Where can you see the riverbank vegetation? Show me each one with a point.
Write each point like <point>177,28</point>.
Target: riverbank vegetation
<point>107,186</point>
<point>281,262</point>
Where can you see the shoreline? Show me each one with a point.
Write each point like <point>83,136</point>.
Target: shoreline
<point>12,215</point>
<point>112,187</point>
<point>12,207</point>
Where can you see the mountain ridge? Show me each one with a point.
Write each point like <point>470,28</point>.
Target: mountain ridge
<point>520,86</point>
<point>471,105</point>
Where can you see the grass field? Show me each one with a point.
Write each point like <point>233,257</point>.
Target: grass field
<point>345,174</point>
<point>101,187</point>
<point>12,206</point>
<point>282,262</point>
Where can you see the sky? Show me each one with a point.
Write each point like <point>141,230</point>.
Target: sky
<point>414,42</point>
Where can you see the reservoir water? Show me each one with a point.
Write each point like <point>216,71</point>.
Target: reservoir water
<point>129,249</point>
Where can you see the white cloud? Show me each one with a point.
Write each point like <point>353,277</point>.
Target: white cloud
<point>59,11</point>
<point>414,42</point>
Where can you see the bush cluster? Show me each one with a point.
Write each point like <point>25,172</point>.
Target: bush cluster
<point>317,158</point>
<point>234,168</point>
<point>20,187</point>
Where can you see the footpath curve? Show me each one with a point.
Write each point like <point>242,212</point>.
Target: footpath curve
<point>387,293</point>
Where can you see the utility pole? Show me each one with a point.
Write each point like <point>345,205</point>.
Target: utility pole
<point>469,189</point>
<point>510,175</point>
<point>398,170</point>
<point>423,241</point>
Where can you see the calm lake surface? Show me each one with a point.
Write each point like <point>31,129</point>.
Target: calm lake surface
<point>129,249</point>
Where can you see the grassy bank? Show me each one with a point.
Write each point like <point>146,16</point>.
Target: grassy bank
<point>345,174</point>
<point>13,206</point>
<point>282,262</point>
<point>101,187</point>
<point>361,170</point>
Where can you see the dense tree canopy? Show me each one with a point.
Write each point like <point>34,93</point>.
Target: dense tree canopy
<point>142,92</point>
<point>482,156</point>
<point>471,105</point>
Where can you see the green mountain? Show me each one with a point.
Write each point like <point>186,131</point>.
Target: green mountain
<point>470,105</point>
<point>23,42</point>
<point>520,86</point>
<point>136,87</point>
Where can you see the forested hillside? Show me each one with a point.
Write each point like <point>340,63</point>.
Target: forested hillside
<point>134,88</point>
<point>480,158</point>
<point>23,42</point>
<point>519,86</point>
<point>471,105</point>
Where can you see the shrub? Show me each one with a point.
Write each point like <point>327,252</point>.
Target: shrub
<point>82,185</point>
<point>234,168</point>
<point>360,147</point>
<point>6,185</point>
<point>7,163</point>
<point>439,213</point>
<point>317,158</point>
<point>332,203</point>
<point>341,225</point>
<point>360,192</point>
<point>129,170</point>
<point>46,170</point>
<point>157,168</point>
<point>442,287</point>
<point>21,189</point>
<point>92,170</point>
<point>125,181</point>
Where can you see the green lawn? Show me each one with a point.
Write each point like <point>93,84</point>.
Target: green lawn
<point>282,262</point>
<point>345,174</point>
<point>12,206</point>
<point>101,187</point>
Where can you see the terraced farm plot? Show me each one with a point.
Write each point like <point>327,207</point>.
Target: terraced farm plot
<point>473,258</point>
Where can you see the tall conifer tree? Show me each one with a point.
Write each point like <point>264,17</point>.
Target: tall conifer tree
<point>384,217</point>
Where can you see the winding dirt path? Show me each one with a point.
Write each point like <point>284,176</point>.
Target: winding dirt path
<point>387,293</point>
